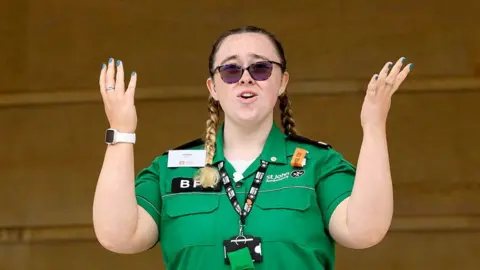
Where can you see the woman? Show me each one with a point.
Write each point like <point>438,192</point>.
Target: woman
<point>247,195</point>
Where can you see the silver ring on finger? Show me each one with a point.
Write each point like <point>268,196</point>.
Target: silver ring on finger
<point>111,87</point>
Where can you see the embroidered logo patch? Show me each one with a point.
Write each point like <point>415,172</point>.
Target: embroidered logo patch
<point>277,177</point>
<point>296,174</point>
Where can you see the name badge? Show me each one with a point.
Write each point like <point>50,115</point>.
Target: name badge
<point>186,158</point>
<point>181,184</point>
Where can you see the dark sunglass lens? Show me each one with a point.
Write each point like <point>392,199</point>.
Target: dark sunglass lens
<point>230,73</point>
<point>261,71</point>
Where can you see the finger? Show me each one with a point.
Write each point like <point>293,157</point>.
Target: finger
<point>101,81</point>
<point>390,80</point>
<point>372,85</point>
<point>110,80</point>
<point>384,72</point>
<point>382,76</point>
<point>401,77</point>
<point>132,86</point>
<point>119,82</point>
<point>392,77</point>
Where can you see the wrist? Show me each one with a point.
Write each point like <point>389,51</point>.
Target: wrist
<point>376,131</point>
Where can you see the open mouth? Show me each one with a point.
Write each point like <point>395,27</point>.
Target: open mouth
<point>247,95</point>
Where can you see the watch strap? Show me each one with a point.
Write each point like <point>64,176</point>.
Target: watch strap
<point>125,137</point>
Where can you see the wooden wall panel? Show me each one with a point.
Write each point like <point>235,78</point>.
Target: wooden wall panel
<point>416,251</point>
<point>73,256</point>
<point>13,59</point>
<point>59,46</point>
<point>14,257</point>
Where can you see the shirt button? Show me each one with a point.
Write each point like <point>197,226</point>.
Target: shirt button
<point>273,159</point>
<point>239,184</point>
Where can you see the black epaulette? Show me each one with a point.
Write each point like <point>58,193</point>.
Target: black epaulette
<point>306,140</point>
<point>194,143</point>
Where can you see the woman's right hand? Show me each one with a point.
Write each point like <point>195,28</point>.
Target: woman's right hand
<point>118,101</point>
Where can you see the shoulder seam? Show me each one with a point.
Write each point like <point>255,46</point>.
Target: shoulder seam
<point>306,140</point>
<point>196,142</point>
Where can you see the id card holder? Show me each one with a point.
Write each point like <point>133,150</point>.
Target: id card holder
<point>243,251</point>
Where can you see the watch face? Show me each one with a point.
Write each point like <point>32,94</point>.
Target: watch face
<point>109,135</point>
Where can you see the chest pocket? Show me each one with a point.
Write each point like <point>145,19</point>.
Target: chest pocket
<point>288,198</point>
<point>188,219</point>
<point>288,214</point>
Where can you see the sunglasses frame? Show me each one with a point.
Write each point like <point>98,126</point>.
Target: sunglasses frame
<point>242,68</point>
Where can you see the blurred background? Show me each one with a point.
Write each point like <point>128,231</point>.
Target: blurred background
<point>53,123</point>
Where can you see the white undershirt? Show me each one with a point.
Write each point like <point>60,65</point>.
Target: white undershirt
<point>240,166</point>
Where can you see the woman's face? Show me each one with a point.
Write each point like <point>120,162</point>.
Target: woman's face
<point>244,99</point>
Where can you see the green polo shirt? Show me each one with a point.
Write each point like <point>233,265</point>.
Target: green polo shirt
<point>290,215</point>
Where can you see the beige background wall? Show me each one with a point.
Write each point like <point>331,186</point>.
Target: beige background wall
<point>53,123</point>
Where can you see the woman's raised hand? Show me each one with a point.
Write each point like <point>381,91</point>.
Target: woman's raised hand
<point>380,91</point>
<point>118,101</point>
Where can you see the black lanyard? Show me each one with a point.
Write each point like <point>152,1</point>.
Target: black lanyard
<point>252,193</point>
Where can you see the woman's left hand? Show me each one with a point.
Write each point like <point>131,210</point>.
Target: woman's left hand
<point>379,93</point>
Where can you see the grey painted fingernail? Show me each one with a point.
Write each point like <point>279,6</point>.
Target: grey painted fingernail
<point>134,73</point>
<point>103,65</point>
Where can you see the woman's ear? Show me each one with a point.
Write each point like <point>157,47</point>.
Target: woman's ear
<point>283,86</point>
<point>211,88</point>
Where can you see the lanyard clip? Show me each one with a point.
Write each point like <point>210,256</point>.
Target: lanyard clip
<point>240,231</point>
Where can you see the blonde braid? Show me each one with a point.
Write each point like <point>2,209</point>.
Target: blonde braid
<point>208,176</point>
<point>286,115</point>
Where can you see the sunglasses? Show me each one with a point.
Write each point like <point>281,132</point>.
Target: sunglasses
<point>259,71</point>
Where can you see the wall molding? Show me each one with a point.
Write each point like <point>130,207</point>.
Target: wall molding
<point>85,232</point>
<point>321,87</point>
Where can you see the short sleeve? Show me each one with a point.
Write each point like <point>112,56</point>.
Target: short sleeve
<point>335,183</point>
<point>147,190</point>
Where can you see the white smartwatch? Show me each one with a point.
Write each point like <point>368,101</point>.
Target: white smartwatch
<point>112,136</point>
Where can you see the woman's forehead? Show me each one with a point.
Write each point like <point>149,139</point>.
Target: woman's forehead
<point>246,47</point>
